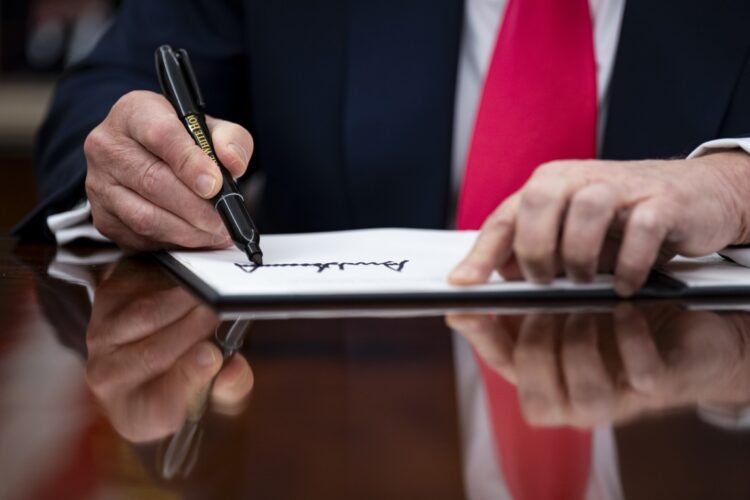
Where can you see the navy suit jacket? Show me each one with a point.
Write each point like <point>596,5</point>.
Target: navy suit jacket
<point>351,102</point>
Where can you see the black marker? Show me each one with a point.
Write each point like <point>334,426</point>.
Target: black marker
<point>180,87</point>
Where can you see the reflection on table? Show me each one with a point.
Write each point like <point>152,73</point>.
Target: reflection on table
<point>571,400</point>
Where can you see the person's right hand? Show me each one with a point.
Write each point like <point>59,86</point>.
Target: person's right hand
<point>148,182</point>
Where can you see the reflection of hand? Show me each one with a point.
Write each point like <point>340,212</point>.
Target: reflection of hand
<point>150,357</point>
<point>585,369</point>
<point>45,10</point>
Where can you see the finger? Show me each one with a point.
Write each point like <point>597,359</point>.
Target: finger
<point>590,389</point>
<point>133,320</point>
<point>162,406</point>
<point>492,248</point>
<point>645,230</point>
<point>589,216</point>
<point>511,271</point>
<point>233,143</point>
<point>232,386</point>
<point>490,339</point>
<point>540,389</point>
<point>642,364</point>
<point>111,227</point>
<point>154,180</point>
<point>153,124</point>
<point>543,202</point>
<point>156,224</point>
<point>134,363</point>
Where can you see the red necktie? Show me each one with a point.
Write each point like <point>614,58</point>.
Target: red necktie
<point>539,102</point>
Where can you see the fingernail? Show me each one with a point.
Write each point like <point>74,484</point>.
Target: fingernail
<point>643,382</point>
<point>241,154</point>
<point>624,289</point>
<point>465,274</point>
<point>205,356</point>
<point>580,276</point>
<point>220,239</point>
<point>205,185</point>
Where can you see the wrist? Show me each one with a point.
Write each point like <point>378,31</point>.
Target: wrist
<point>731,168</point>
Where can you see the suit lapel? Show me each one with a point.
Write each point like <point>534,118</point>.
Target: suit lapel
<point>677,65</point>
<point>398,111</point>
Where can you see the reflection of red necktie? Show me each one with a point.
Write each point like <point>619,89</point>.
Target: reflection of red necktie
<point>539,102</point>
<point>537,464</point>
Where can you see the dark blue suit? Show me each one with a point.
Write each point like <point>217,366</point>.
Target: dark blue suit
<point>351,102</point>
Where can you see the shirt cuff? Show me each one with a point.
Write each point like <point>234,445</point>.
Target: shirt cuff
<point>719,144</point>
<point>74,225</point>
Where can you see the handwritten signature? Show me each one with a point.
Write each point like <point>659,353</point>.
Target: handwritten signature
<point>325,266</point>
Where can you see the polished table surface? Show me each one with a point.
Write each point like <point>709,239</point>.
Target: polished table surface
<point>108,390</point>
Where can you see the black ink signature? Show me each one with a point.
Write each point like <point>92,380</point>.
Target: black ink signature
<point>324,266</point>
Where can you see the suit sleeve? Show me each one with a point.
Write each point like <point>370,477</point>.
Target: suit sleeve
<point>123,61</point>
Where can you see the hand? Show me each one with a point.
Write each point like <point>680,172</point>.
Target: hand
<point>148,182</point>
<point>623,217</point>
<point>150,360</point>
<point>586,369</point>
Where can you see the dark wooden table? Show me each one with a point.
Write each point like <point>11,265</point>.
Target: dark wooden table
<point>106,399</point>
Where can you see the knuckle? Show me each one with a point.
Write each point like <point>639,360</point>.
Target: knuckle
<point>96,142</point>
<point>135,99</point>
<point>647,220</point>
<point>157,133</point>
<point>668,190</point>
<point>149,359</point>
<point>550,168</point>
<point>151,180</point>
<point>91,185</point>
<point>537,195</point>
<point>588,204</point>
<point>498,222</point>
<point>97,377</point>
<point>128,104</point>
<point>141,218</point>
<point>189,160</point>
<point>588,393</point>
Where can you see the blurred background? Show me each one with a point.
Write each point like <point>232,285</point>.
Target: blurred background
<point>39,39</point>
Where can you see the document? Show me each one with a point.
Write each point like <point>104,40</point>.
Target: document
<point>395,264</point>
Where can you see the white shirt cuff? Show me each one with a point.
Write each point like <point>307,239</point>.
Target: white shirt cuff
<point>719,144</point>
<point>74,225</point>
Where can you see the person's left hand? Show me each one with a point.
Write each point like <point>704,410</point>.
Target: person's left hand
<point>623,217</point>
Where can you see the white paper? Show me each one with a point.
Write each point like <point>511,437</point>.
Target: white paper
<point>378,262</point>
